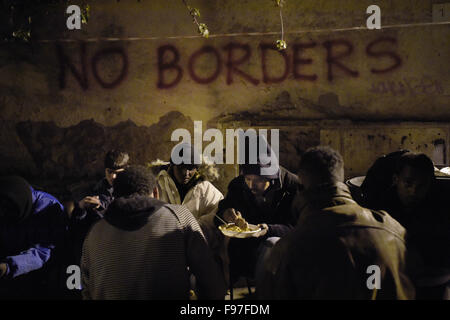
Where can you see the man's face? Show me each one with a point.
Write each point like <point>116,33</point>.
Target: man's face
<point>412,186</point>
<point>184,173</point>
<point>256,184</point>
<point>111,174</point>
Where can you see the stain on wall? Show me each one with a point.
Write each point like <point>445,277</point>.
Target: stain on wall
<point>362,144</point>
<point>64,103</point>
<point>76,153</point>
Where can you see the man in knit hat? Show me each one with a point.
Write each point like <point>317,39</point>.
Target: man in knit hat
<point>262,197</point>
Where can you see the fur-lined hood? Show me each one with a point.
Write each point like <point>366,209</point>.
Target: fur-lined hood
<point>207,170</point>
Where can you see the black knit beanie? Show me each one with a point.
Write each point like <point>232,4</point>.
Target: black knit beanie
<point>257,168</point>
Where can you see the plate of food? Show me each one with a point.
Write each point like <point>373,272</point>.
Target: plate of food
<point>233,231</point>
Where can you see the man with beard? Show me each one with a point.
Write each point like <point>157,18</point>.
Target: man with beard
<point>262,199</point>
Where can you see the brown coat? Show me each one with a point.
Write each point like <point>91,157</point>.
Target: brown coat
<point>327,255</point>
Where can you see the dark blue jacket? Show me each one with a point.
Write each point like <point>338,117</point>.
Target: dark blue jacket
<point>29,246</point>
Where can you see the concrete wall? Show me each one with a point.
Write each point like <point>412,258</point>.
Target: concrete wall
<point>63,104</point>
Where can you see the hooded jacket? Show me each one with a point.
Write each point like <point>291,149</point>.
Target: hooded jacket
<point>332,252</point>
<point>202,198</point>
<point>32,244</point>
<point>276,212</point>
<point>142,250</point>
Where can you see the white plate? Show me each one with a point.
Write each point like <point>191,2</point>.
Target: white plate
<point>235,234</point>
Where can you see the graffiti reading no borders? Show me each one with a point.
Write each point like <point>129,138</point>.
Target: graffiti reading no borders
<point>230,63</point>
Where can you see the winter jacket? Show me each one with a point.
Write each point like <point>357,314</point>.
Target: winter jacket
<point>427,228</point>
<point>202,199</point>
<point>33,249</point>
<point>276,212</point>
<point>332,252</point>
<point>142,250</point>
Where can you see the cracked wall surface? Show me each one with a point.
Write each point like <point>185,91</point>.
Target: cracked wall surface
<point>63,104</point>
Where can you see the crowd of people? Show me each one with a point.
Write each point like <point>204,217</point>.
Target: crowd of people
<point>152,233</point>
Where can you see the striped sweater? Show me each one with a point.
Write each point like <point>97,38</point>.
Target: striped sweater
<point>143,249</point>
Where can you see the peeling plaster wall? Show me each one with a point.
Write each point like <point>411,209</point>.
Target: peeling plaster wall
<point>362,144</point>
<point>63,104</point>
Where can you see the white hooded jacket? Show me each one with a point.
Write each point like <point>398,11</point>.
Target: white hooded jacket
<point>202,200</point>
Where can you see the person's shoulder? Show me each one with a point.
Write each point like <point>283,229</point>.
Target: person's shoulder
<point>42,195</point>
<point>387,222</point>
<point>101,186</point>
<point>96,229</point>
<point>206,186</point>
<point>162,173</point>
<point>379,220</point>
<point>236,183</point>
<point>289,180</point>
<point>51,210</point>
<point>176,209</point>
<point>44,200</point>
<point>181,213</point>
